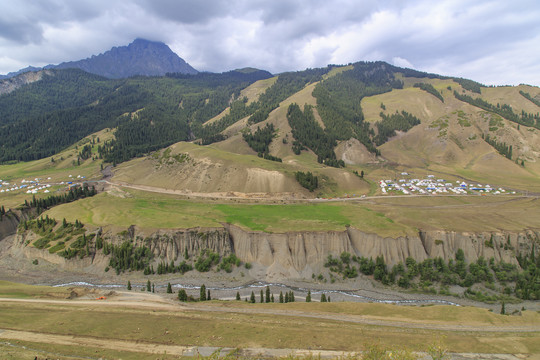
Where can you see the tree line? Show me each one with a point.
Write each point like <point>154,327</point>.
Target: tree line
<point>470,85</point>
<point>74,193</point>
<point>430,89</point>
<point>522,282</point>
<point>504,110</point>
<point>529,97</point>
<point>387,127</point>
<point>501,147</point>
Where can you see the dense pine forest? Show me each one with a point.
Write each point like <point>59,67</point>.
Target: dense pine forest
<point>43,118</point>
<point>309,135</point>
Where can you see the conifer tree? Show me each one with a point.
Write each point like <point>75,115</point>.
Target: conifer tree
<point>237,295</point>
<point>182,295</point>
<point>252,298</point>
<point>281,297</point>
<point>202,294</point>
<point>503,310</point>
<point>272,297</point>
<point>323,297</point>
<point>286,297</point>
<point>129,285</point>
<point>267,294</point>
<point>169,288</point>
<point>148,286</point>
<point>208,297</point>
<point>153,287</point>
<point>262,297</point>
<point>308,297</point>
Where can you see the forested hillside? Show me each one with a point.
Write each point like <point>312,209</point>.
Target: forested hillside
<point>40,119</point>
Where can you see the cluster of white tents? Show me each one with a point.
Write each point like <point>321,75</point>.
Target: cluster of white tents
<point>31,186</point>
<point>433,186</point>
<point>34,186</point>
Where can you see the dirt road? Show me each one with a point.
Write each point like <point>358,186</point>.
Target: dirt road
<point>155,302</point>
<point>276,197</point>
<point>152,302</point>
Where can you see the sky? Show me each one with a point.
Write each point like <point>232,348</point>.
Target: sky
<point>495,42</point>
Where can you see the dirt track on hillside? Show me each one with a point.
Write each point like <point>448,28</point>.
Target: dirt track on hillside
<point>288,197</point>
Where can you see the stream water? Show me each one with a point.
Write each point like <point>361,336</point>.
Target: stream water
<point>347,295</point>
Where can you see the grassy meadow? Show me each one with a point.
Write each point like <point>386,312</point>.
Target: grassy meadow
<point>384,216</point>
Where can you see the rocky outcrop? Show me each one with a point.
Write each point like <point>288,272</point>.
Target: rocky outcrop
<point>12,84</point>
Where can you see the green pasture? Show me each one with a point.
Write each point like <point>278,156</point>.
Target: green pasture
<point>383,216</point>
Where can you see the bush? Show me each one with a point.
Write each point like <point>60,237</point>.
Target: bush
<point>207,258</point>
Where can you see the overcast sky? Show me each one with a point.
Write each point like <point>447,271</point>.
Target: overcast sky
<point>495,42</point>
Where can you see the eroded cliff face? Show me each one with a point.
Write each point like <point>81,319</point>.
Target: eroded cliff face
<point>301,254</point>
<point>297,255</point>
<point>10,221</point>
<point>168,245</point>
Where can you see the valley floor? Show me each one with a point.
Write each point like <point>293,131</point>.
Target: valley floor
<point>118,326</point>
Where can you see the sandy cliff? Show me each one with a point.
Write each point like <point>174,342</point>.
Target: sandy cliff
<point>296,255</point>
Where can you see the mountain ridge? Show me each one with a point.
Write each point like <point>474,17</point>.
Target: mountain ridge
<point>141,57</point>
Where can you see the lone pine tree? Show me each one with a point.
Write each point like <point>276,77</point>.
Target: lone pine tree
<point>202,294</point>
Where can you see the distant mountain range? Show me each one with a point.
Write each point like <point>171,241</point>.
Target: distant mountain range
<point>141,57</point>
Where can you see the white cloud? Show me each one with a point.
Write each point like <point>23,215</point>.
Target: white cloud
<point>401,62</point>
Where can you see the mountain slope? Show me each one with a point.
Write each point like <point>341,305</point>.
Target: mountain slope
<point>335,122</point>
<point>141,57</point>
<point>41,118</point>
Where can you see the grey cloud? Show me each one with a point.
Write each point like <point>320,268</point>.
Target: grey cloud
<point>20,33</point>
<point>187,11</point>
<point>453,37</point>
